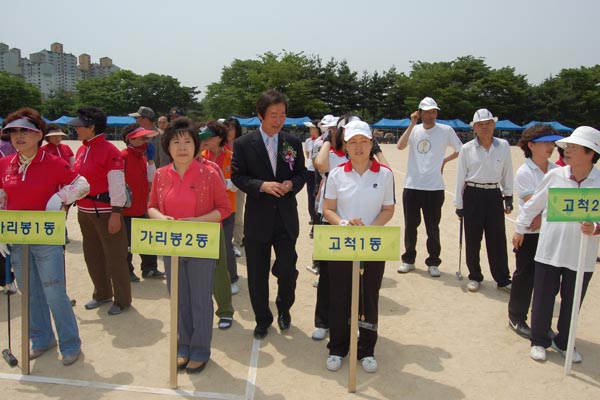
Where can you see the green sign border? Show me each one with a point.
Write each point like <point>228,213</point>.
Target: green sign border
<point>556,203</point>
<point>389,250</point>
<point>34,217</point>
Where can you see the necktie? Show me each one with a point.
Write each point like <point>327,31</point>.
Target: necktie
<point>272,153</point>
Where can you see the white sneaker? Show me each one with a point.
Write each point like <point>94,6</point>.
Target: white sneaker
<point>405,267</point>
<point>235,289</point>
<point>369,364</point>
<point>473,286</point>
<point>319,333</point>
<point>434,271</point>
<point>576,356</point>
<point>11,288</point>
<point>236,251</point>
<point>334,363</point>
<point>505,288</point>
<point>537,353</point>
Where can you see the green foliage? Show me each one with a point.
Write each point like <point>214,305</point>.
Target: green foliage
<point>315,87</point>
<point>16,93</point>
<point>124,91</point>
<point>59,104</point>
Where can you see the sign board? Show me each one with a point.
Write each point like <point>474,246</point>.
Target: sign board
<point>175,238</point>
<point>573,204</point>
<point>356,243</point>
<point>32,227</point>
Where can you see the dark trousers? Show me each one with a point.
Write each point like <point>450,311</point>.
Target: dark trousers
<point>311,193</point>
<point>340,299</point>
<point>522,279</point>
<point>484,213</point>
<point>430,203</point>
<point>322,305</point>
<point>228,226</point>
<point>105,255</point>
<point>3,280</point>
<point>549,280</point>
<point>258,258</point>
<point>149,261</point>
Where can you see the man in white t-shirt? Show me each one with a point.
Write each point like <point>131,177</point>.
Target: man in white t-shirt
<point>424,185</point>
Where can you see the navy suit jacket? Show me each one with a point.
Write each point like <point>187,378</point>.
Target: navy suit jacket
<point>251,167</point>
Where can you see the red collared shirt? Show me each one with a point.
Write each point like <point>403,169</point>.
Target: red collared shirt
<point>94,160</point>
<point>61,150</point>
<point>32,188</point>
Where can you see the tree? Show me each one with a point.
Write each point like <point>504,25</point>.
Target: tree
<point>124,91</point>
<point>572,97</point>
<point>60,103</point>
<point>16,93</point>
<point>243,81</point>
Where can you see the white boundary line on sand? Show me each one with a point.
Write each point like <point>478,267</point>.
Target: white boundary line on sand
<point>123,388</point>
<point>252,369</point>
<point>249,395</point>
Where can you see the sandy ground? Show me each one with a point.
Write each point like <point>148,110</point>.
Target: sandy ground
<point>436,340</point>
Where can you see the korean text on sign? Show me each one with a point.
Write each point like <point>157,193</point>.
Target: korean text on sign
<point>356,243</point>
<point>175,238</point>
<point>32,227</point>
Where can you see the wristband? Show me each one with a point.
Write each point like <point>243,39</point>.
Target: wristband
<point>117,210</point>
<point>343,222</point>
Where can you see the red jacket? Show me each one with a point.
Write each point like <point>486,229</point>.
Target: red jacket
<point>136,176</point>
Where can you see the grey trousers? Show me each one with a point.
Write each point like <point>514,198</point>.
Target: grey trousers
<point>195,317</point>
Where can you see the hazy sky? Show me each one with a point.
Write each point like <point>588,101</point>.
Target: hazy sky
<point>193,40</point>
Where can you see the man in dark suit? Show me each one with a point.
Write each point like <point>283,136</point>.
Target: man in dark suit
<point>268,165</point>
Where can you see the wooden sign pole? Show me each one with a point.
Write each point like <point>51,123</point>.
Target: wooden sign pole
<point>174,313</point>
<point>354,327</point>
<point>24,286</point>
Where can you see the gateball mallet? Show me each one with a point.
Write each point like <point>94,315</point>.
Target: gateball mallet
<point>460,241</point>
<point>7,353</point>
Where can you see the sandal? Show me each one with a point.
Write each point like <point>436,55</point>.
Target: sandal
<point>225,323</point>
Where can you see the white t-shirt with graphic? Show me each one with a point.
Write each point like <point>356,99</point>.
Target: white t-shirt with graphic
<point>427,150</point>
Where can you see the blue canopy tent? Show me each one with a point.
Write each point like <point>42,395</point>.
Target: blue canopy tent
<point>456,124</point>
<point>555,124</point>
<point>385,123</point>
<point>62,120</point>
<point>508,125</point>
<point>254,122</point>
<point>119,121</point>
<point>296,121</point>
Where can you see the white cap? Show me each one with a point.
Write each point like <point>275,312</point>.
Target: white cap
<point>481,115</point>
<point>329,121</point>
<point>56,133</point>
<point>585,136</point>
<point>357,128</point>
<point>428,104</point>
<point>309,124</point>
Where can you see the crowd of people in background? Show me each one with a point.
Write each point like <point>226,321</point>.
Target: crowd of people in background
<point>180,169</point>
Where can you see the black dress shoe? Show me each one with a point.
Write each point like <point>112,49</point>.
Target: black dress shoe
<point>521,328</point>
<point>284,320</point>
<point>195,367</point>
<point>260,332</point>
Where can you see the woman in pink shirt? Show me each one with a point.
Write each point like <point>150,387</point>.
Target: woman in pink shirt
<point>188,190</point>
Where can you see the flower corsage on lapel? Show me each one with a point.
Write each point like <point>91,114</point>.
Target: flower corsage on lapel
<point>288,154</point>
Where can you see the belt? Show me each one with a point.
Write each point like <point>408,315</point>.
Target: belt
<point>484,185</point>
